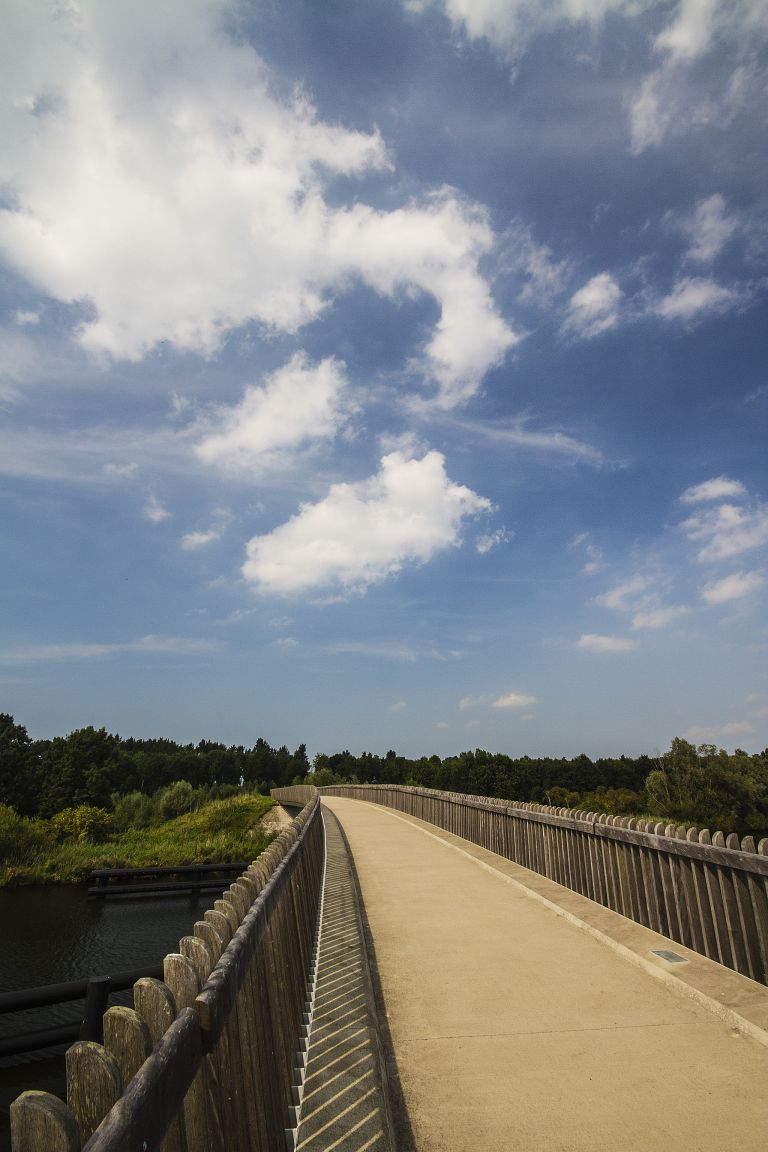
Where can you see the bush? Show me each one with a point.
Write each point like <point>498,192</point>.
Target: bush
<point>134,810</point>
<point>81,824</point>
<point>175,800</point>
<point>20,839</point>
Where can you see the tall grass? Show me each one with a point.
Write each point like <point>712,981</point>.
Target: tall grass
<point>222,830</point>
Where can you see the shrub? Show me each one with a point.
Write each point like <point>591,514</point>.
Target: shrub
<point>134,810</point>
<point>20,839</point>
<point>81,824</point>
<point>175,800</point>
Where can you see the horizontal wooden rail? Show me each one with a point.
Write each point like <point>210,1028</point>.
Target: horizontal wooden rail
<point>206,1059</point>
<point>707,891</point>
<point>95,991</point>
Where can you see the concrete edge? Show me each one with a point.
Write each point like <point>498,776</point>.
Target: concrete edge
<point>732,985</point>
<point>396,1123</point>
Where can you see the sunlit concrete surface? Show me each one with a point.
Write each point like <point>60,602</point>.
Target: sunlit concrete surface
<point>514,1028</point>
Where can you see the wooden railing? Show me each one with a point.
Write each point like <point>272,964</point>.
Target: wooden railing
<point>709,892</point>
<point>208,1059</point>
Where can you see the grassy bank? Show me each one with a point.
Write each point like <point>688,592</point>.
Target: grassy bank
<point>222,830</point>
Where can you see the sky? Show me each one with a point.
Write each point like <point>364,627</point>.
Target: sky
<point>386,375</point>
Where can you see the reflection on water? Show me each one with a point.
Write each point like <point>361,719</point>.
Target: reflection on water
<point>52,934</point>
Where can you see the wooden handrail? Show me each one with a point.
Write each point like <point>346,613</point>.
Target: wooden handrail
<point>206,1059</point>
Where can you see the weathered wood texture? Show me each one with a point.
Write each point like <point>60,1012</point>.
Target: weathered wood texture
<point>709,892</point>
<point>204,1062</point>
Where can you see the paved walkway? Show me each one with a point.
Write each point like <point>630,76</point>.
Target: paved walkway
<point>515,1029</point>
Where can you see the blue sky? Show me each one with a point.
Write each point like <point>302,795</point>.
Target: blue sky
<point>386,375</point>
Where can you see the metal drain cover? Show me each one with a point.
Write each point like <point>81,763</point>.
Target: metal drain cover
<point>672,957</point>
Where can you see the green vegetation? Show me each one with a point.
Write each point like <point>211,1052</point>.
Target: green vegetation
<point>91,798</point>
<point>703,785</point>
<point>72,843</point>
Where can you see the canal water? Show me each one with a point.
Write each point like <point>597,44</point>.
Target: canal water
<point>55,933</point>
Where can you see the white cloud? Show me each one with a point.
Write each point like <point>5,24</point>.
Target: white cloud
<point>594,308</point>
<point>123,471</point>
<point>401,653</point>
<point>298,404</point>
<point>670,101</point>
<point>713,735</point>
<point>514,700</point>
<point>596,643</point>
<point>484,544</point>
<point>719,488</point>
<point>55,653</point>
<point>510,24</point>
<point>733,587</point>
<point>469,702</point>
<point>628,595</point>
<point>397,707</point>
<point>517,434</point>
<point>545,277</point>
<point>710,229</point>
<point>23,318</point>
<point>659,617</point>
<point>285,643</point>
<point>693,295</point>
<point>146,138</point>
<point>595,561</point>
<point>194,540</point>
<point>155,510</point>
<point>728,530</point>
<point>362,533</point>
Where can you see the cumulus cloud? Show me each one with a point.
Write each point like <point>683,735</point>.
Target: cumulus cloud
<point>158,182</point>
<point>693,295</point>
<point>594,308</point>
<point>362,533</point>
<point>298,404</point>
<point>515,700</point>
<point>593,642</point>
<point>728,530</point>
<point>719,488</point>
<point>733,587</point>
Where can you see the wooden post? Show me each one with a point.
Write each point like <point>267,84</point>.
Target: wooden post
<point>126,1036</point>
<point>42,1123</point>
<point>93,1085</point>
<point>96,998</point>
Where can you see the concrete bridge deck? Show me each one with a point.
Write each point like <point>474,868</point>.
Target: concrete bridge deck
<point>513,1027</point>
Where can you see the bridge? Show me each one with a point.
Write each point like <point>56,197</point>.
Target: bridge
<point>405,969</point>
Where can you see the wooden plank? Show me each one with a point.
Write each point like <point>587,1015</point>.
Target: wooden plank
<point>754,967</point>
<point>93,1085</point>
<point>181,978</point>
<point>126,1036</point>
<point>42,1123</point>
<point>142,1116</point>
<point>156,1006</point>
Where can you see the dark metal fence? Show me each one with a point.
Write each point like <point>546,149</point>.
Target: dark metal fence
<point>709,892</point>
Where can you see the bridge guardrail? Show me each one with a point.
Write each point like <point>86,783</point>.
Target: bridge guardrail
<point>708,892</point>
<point>206,1059</point>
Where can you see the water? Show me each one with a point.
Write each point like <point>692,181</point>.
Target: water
<point>52,934</point>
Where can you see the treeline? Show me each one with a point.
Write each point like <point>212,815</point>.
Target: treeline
<point>703,786</point>
<point>94,767</point>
